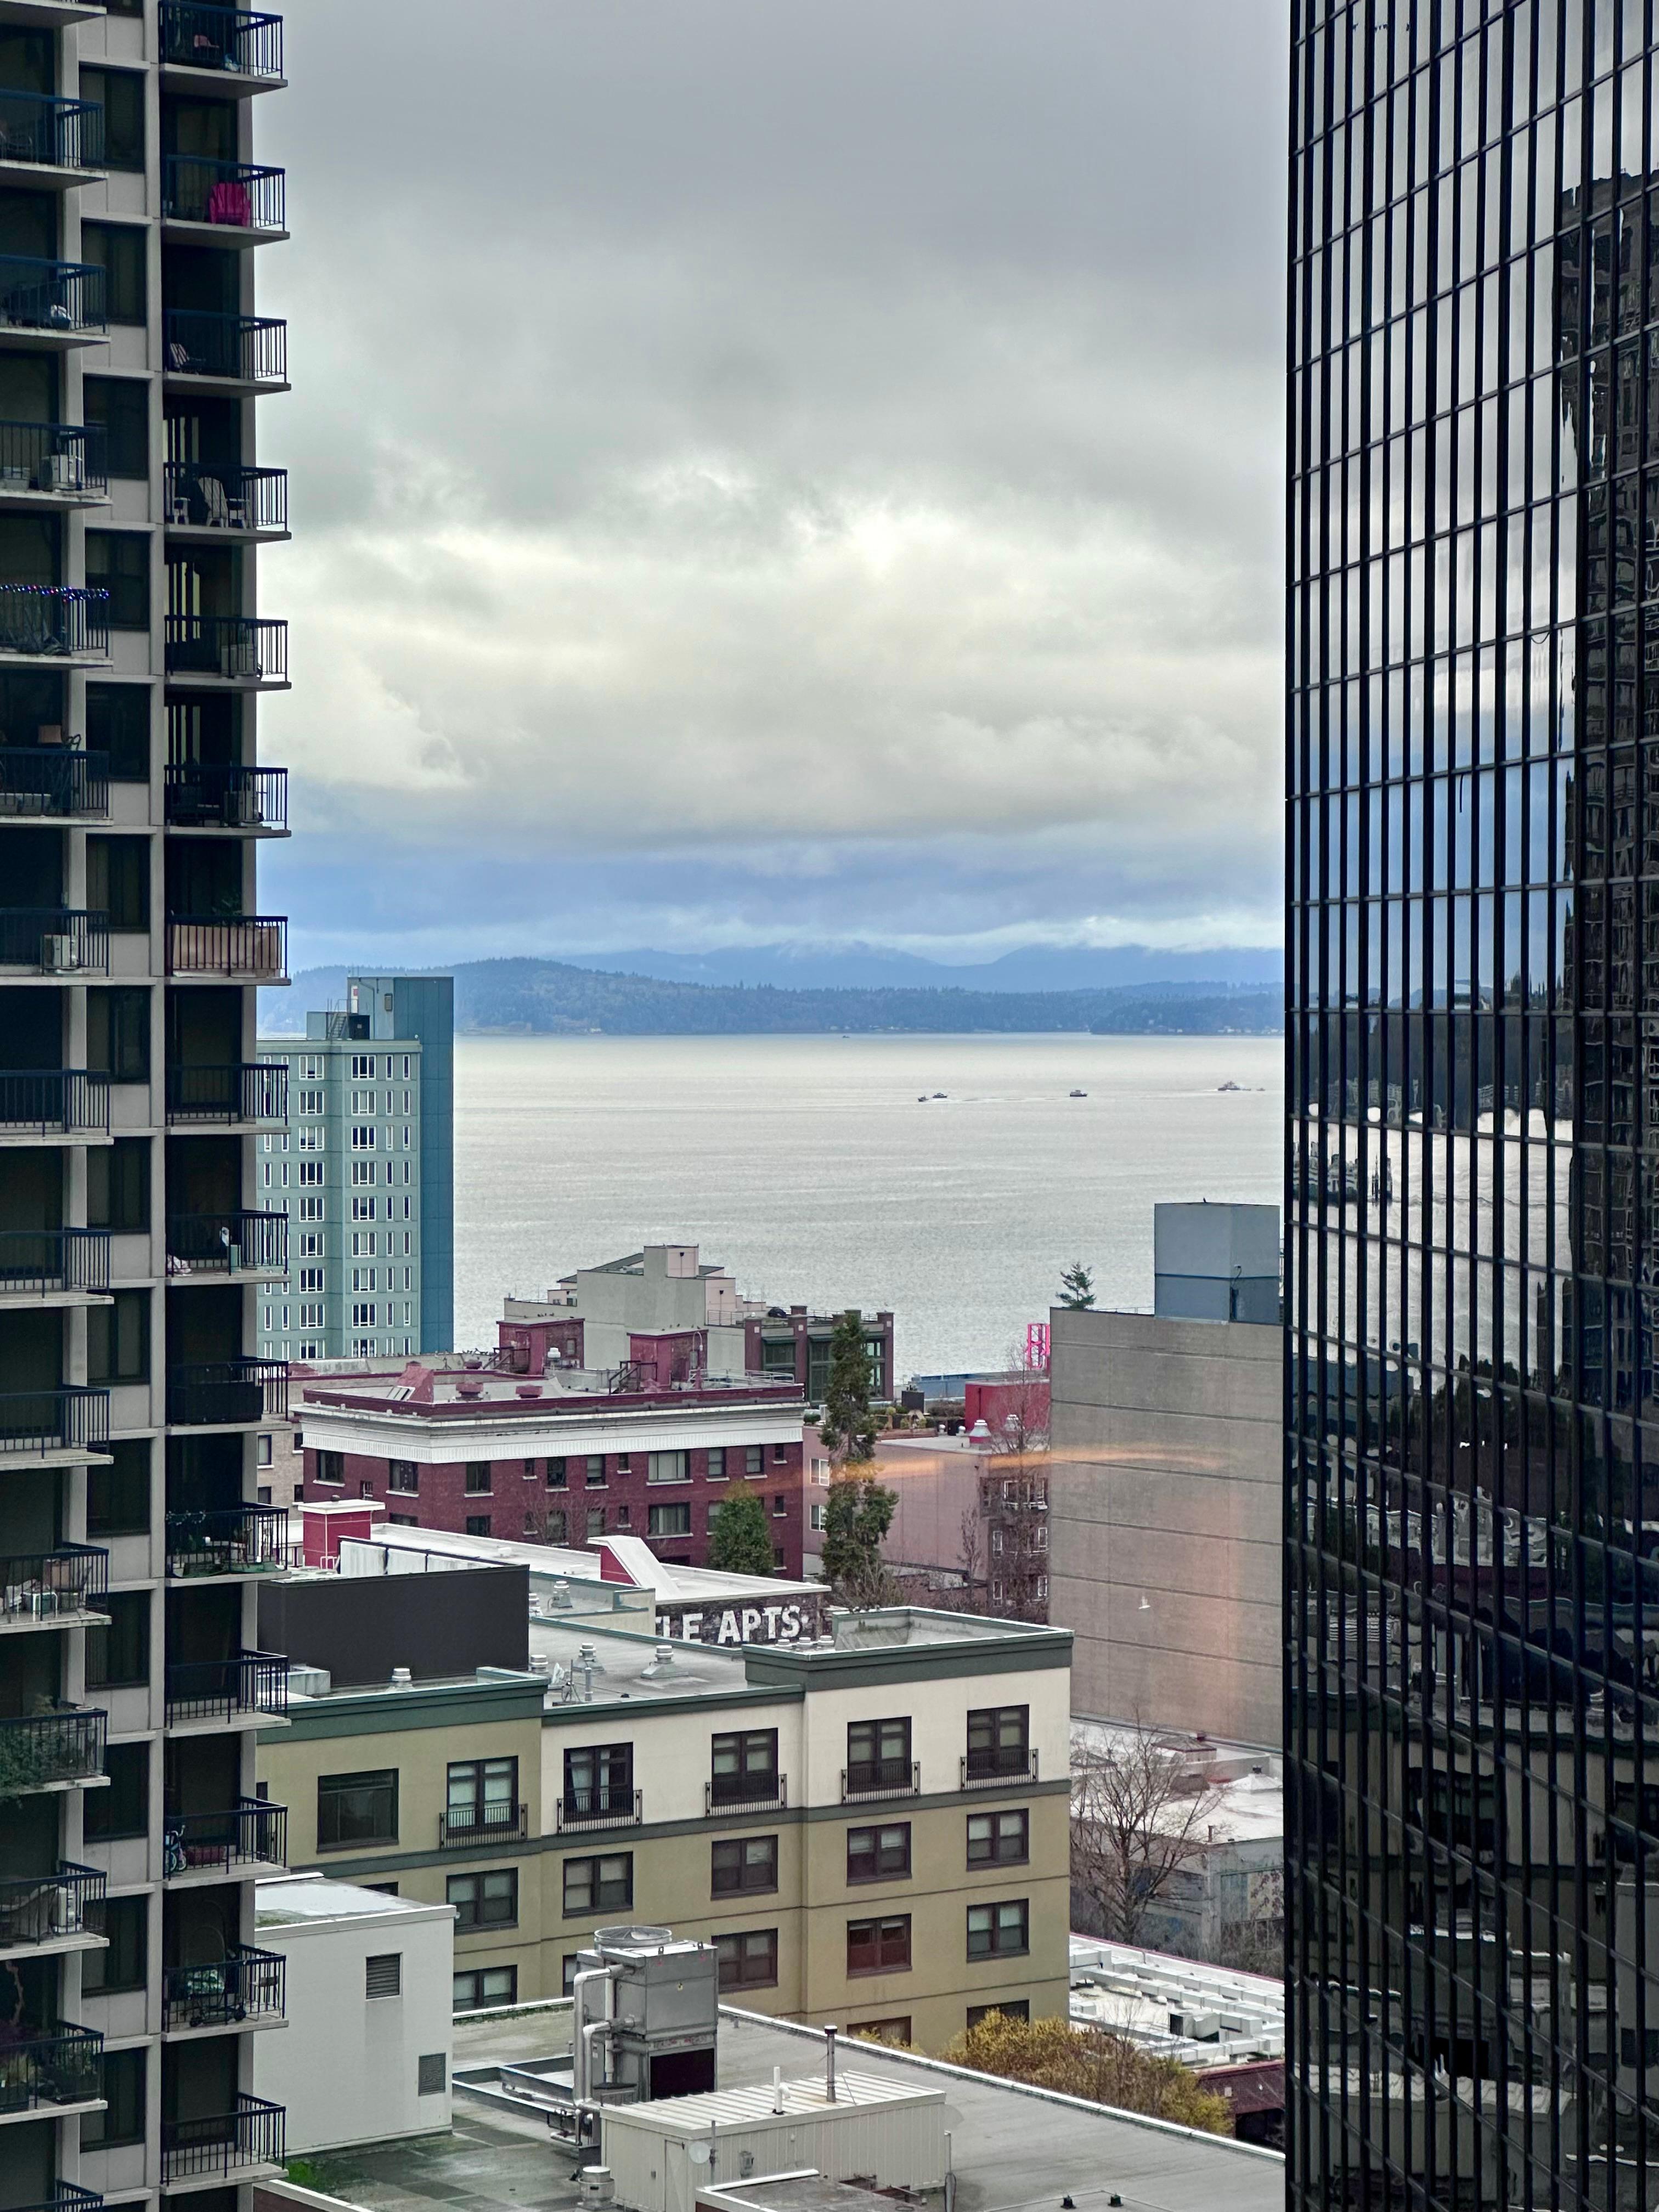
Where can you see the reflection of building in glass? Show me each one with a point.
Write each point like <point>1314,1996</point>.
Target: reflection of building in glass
<point>1473,1258</point>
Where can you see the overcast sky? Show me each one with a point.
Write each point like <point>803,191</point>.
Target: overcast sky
<point>778,469</point>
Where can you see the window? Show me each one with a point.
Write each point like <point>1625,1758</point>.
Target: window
<point>668,1467</point>
<point>117,881</point>
<point>780,1455</point>
<point>1011,2008</point>
<point>878,1947</point>
<point>596,1470</point>
<point>484,1900</point>
<point>118,1035</point>
<point>118,250</point>
<point>117,1496</point>
<point>598,1778</point>
<point>878,1755</point>
<point>121,406</point>
<point>383,1974</point>
<point>717,1466</point>
<point>117,561</point>
<point>120,93</point>
<point>743,1768</point>
<point>595,1522</point>
<point>122,1810</point>
<point>125,1963</point>
<point>362,1139</point>
<point>558,1475</point>
<point>532,1472</point>
<point>999,1931</point>
<point>478,1524</point>
<point>999,1838</point>
<point>357,1808</point>
<point>403,1476</point>
<point>754,1458</point>
<point>118,1339</point>
<point>431,2073</point>
<point>881,2031</point>
<point>780,1507</point>
<point>492,1985</point>
<point>478,1478</point>
<point>117,1657</point>
<point>880,1854</point>
<point>362,1066</point>
<point>558,1525</point>
<point>669,1521</point>
<point>999,1740</point>
<point>741,1862</point>
<point>118,723</point>
<point>483,1797</point>
<point>331,1467</point>
<point>749,1961</point>
<point>123,2119</point>
<point>599,1885</point>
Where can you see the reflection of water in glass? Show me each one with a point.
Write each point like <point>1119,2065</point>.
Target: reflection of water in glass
<point>809,1166</point>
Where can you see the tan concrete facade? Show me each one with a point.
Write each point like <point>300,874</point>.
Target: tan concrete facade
<point>1165,1510</point>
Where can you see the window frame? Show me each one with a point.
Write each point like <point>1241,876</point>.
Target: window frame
<point>742,1787</point>
<point>991,1819</point>
<point>992,1947</point>
<point>470,1916</point>
<point>605,1895</point>
<point>381,1782</point>
<point>767,1978</point>
<point>736,1850</point>
<point>875,1871</point>
<point>886,1941</point>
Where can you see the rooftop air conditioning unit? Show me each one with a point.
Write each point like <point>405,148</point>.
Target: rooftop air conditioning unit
<point>58,955</point>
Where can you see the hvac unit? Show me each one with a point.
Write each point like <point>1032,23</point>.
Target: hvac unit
<point>58,955</point>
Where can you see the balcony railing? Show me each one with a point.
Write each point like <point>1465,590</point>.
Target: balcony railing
<point>234,40</point>
<point>58,134</point>
<point>65,298</point>
<point>45,1908</point>
<point>983,1769</point>
<point>242,648</point>
<point>46,1260</point>
<point>751,1793</point>
<point>601,1808</point>
<point>226,499</point>
<point>231,195</point>
<point>47,779</point>
<point>251,1832</point>
<point>68,1417</point>
<point>240,1091</point>
<point>253,945</point>
<point>231,349</point>
<point>224,2143</point>
<point>63,620</point>
<point>67,2196</point>
<point>38,1750</point>
<point>248,1985</point>
<point>234,1243</point>
<point>241,1540</point>
<point>55,1102</point>
<point>226,1393</point>
<point>479,1827</point>
<point>213,795</point>
<point>58,457</point>
<point>217,1689</point>
<point>882,1778</point>
<point>63,2068</point>
<point>53,940</point>
<point>73,1579</point>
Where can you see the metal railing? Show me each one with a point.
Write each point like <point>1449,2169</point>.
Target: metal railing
<point>214,1689</point>
<point>982,1769</point>
<point>64,2068</point>
<point>249,1833</point>
<point>220,795</point>
<point>71,1578</point>
<point>46,779</point>
<point>59,134</point>
<point>245,1984</point>
<point>253,945</point>
<point>882,1778</point>
<point>481,1827</point>
<point>67,2196</point>
<point>59,619</point>
<point>60,457</point>
<point>239,1540</point>
<point>599,1808</point>
<point>55,1101</point>
<point>53,940</point>
<point>66,1417</point>
<point>240,1091</point>
<point>746,1794</point>
<point>252,2134</point>
<point>44,1259</point>
<point>245,648</point>
<point>65,297</point>
<point>226,1393</point>
<point>195,35</point>
<point>232,349</point>
<point>39,1749</point>
<point>44,1908</point>
<point>237,1242</point>
<point>231,195</point>
<point>225,499</point>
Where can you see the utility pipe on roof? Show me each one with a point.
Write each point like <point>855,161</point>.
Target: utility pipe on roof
<point>582,2046</point>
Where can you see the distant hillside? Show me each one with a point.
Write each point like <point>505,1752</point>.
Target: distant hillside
<point>551,998</point>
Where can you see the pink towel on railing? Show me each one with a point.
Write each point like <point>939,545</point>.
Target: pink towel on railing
<point>229,202</point>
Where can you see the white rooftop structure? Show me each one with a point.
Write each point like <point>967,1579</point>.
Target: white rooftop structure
<point>1173,2008</point>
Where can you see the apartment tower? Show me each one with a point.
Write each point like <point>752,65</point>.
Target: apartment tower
<point>133,803</point>
<point>1472,1430</point>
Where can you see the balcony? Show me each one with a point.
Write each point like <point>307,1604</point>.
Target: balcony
<point>987,1770</point>
<point>880,1779</point>
<point>39,131</point>
<point>227,648</point>
<point>55,302</point>
<point>229,41</point>
<point>48,783</point>
<point>230,196</point>
<point>51,1751</point>
<point>248,350</point>
<point>240,1091</point>
<point>480,1827</point>
<point>241,1540</point>
<point>250,2135</point>
<point>226,1394</point>
<point>54,622</point>
<point>53,1102</point>
<point>226,1689</point>
<point>41,1908</point>
<point>251,1835</point>
<point>243,503</point>
<point>217,795</point>
<point>246,1984</point>
<point>582,1809</point>
<point>50,2071</point>
<point>234,1243</point>
<point>54,940</point>
<point>252,947</point>
<point>67,2196</point>
<point>60,462</point>
<point>67,1585</point>
<point>749,1793</point>
<point>44,1263</point>
<point>69,1421</point>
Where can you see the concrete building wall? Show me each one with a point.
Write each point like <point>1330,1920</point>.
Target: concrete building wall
<point>1165,1489</point>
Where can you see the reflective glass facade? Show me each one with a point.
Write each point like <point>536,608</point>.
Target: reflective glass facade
<point>1473,1258</point>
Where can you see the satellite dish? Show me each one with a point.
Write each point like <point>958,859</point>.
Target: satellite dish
<point>700,2154</point>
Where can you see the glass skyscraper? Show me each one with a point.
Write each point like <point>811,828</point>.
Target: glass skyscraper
<point>1473,1266</point>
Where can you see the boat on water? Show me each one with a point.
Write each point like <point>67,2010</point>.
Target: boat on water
<point>1077,1094</point>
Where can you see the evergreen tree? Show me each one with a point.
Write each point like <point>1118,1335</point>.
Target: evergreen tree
<point>1076,1288</point>
<point>740,1539</point>
<point>856,1517</point>
<point>845,1426</point>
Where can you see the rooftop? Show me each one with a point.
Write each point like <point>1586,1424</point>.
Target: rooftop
<point>1248,1780</point>
<point>599,1571</point>
<point>301,1900</point>
<point>1175,2008</point>
<point>468,1389</point>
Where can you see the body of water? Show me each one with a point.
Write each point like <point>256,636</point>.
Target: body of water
<point>808,1167</point>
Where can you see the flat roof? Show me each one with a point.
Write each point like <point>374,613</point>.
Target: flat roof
<point>298,1899</point>
<point>668,1581</point>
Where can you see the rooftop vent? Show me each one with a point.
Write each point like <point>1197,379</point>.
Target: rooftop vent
<point>401,1678</point>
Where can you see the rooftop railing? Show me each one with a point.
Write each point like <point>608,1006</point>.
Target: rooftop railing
<point>254,945</point>
<point>41,781</point>
<point>225,1393</point>
<point>48,1908</point>
<point>980,1769</point>
<point>882,1778</point>
<point>245,1984</point>
<point>239,1540</point>
<point>41,1261</point>
<point>251,1832</point>
<point>235,40</point>
<point>66,1417</point>
<point>239,1243</point>
<point>72,1578</point>
<point>65,298</point>
<point>242,648</point>
<point>39,1750</point>
<point>54,940</point>
<point>251,2134</point>
<point>61,620</point>
<point>220,795</point>
<point>480,1825</point>
<point>218,1689</point>
<point>226,499</point>
<point>64,2067</point>
<point>54,1102</point>
<point>68,457</point>
<point>240,1091</point>
<point>60,134</point>
<point>230,349</point>
<point>232,194</point>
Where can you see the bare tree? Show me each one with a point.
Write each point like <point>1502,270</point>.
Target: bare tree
<point>1139,1817</point>
<point>1013,1498</point>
